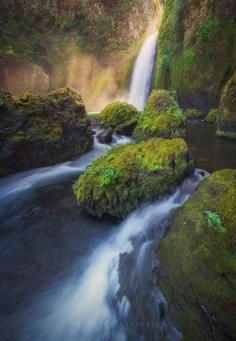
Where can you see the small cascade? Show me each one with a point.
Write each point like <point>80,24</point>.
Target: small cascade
<point>114,297</point>
<point>143,72</point>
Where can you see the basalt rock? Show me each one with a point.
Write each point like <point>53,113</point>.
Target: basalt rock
<point>38,131</point>
<point>197,271</point>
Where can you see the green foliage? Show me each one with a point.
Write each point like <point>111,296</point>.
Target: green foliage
<point>109,176</point>
<point>214,221</point>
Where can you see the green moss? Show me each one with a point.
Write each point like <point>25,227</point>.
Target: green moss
<point>187,46</point>
<point>19,136</point>
<point>162,117</point>
<point>118,115</point>
<point>200,247</point>
<point>226,134</point>
<point>193,113</point>
<point>212,116</point>
<point>131,174</point>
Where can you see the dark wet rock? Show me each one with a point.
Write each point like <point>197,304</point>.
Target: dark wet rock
<point>38,131</point>
<point>105,136</point>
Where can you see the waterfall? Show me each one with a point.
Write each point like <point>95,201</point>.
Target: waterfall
<point>143,72</point>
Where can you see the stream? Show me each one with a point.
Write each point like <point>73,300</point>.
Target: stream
<point>68,276</point>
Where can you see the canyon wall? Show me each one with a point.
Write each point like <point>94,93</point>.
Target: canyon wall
<point>89,45</point>
<point>197,50</point>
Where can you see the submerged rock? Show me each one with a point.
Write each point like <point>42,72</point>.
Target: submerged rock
<point>227,110</point>
<point>198,264</point>
<point>162,117</point>
<point>120,116</point>
<point>131,174</point>
<point>38,131</point>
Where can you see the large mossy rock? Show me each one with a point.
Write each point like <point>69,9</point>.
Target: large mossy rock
<point>196,50</point>
<point>120,116</point>
<point>161,117</point>
<point>198,261</point>
<point>131,174</point>
<point>227,110</point>
<point>38,131</point>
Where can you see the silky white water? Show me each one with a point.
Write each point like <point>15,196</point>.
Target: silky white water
<point>88,306</point>
<point>142,73</point>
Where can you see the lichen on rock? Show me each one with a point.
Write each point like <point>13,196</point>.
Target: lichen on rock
<point>41,130</point>
<point>120,116</point>
<point>131,174</point>
<point>161,117</point>
<point>197,270</point>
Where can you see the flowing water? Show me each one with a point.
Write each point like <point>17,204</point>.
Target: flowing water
<point>143,73</point>
<point>67,276</point>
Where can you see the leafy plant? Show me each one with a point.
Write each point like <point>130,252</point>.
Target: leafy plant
<point>109,176</point>
<point>214,221</point>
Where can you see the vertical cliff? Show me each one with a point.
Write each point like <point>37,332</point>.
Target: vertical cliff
<point>197,50</point>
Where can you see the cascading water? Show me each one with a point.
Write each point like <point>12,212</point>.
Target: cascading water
<point>114,297</point>
<point>142,73</point>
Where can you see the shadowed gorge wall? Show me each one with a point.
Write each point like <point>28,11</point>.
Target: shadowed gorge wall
<point>60,36</point>
<point>197,50</point>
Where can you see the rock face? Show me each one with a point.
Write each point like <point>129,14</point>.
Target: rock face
<point>197,271</point>
<point>120,116</point>
<point>104,34</point>
<point>194,37</point>
<point>38,131</point>
<point>162,117</point>
<point>131,174</point>
<point>227,110</point>
<point>20,77</point>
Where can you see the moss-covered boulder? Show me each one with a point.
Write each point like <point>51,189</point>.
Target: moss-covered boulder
<point>161,117</point>
<point>38,131</point>
<point>198,261</point>
<point>120,116</point>
<point>227,110</point>
<point>212,116</point>
<point>192,113</point>
<point>131,174</point>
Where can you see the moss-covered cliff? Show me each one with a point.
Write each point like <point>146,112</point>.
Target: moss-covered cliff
<point>197,50</point>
